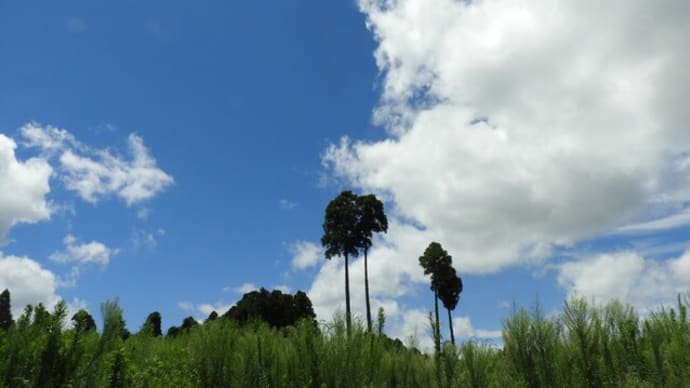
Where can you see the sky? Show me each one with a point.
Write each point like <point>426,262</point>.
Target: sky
<point>176,154</point>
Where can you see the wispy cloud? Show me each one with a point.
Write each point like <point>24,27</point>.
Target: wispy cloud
<point>97,173</point>
<point>673,221</point>
<point>286,204</point>
<point>305,254</point>
<point>93,252</point>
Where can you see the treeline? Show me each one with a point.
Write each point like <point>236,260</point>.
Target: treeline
<point>583,346</point>
<point>274,308</point>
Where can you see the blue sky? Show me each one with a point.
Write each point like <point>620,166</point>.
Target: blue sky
<point>173,154</point>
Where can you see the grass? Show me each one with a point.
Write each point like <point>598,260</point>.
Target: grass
<point>583,346</point>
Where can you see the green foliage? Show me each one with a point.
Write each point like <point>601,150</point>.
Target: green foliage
<point>83,321</point>
<point>584,346</point>
<point>341,236</point>
<point>152,325</point>
<point>274,308</point>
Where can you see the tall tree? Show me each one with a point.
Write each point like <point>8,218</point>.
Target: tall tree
<point>5,310</point>
<point>372,219</point>
<point>341,237</point>
<point>435,260</point>
<point>450,288</point>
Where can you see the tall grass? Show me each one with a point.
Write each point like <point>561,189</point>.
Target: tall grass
<point>583,346</point>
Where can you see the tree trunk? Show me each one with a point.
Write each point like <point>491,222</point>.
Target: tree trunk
<point>450,324</point>
<point>437,340</point>
<point>366,290</point>
<point>347,296</point>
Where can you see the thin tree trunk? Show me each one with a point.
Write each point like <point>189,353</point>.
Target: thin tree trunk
<point>437,340</point>
<point>347,295</point>
<point>450,324</point>
<point>366,290</point>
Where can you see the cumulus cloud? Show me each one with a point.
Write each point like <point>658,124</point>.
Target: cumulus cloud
<point>305,254</point>
<point>85,253</point>
<point>28,283</point>
<point>24,186</point>
<point>628,277</point>
<point>97,173</point>
<point>463,329</point>
<point>511,128</point>
<point>517,129</point>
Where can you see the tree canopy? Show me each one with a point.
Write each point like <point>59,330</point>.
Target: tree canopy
<point>83,321</point>
<point>152,325</point>
<point>278,310</point>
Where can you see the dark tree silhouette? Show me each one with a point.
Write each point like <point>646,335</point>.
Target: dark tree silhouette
<point>372,219</point>
<point>173,332</point>
<point>211,317</point>
<point>276,309</point>
<point>341,237</point>
<point>152,326</point>
<point>449,292</point>
<point>83,321</point>
<point>303,307</point>
<point>435,261</point>
<point>6,320</point>
<point>188,323</point>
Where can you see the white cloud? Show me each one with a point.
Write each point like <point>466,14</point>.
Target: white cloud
<point>133,181</point>
<point>28,283</point>
<point>305,254</point>
<point>551,162</point>
<point>245,288</point>
<point>463,329</point>
<point>145,238</point>
<point>143,213</point>
<point>48,138</point>
<point>186,306</point>
<point>205,309</point>
<point>393,270</point>
<point>91,252</point>
<point>96,173</point>
<point>201,311</point>
<point>673,221</point>
<point>23,188</point>
<point>628,277</point>
<point>514,129</point>
<point>69,280</point>
<point>287,204</point>
<point>282,288</point>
